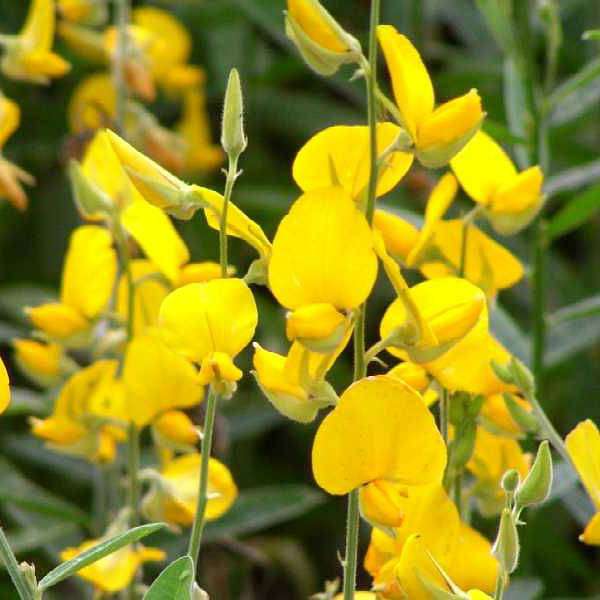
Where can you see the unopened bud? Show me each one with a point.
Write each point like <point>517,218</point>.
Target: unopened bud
<point>510,481</point>
<point>233,138</point>
<point>523,377</point>
<point>506,548</point>
<point>538,483</point>
<point>523,418</point>
<point>503,372</point>
<point>92,203</point>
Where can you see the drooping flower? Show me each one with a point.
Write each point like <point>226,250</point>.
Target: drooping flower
<point>510,199</point>
<point>28,55</point>
<point>583,446</point>
<point>339,157</point>
<point>437,133</point>
<point>88,277</point>
<point>44,364</point>
<point>11,176</point>
<point>173,495</point>
<point>316,273</point>
<point>210,324</point>
<point>87,414</point>
<point>380,430</point>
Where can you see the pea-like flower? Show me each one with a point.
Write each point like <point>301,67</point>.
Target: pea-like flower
<point>510,199</point>
<point>380,430</point>
<point>45,364</point>
<point>210,324</point>
<point>28,55</point>
<point>4,388</point>
<point>437,133</point>
<point>173,494</point>
<point>441,247</point>
<point>583,446</point>
<point>88,278</point>
<point>316,273</point>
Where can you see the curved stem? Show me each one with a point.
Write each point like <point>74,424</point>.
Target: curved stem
<point>207,439</point>
<point>539,305</point>
<point>16,575</point>
<point>231,177</point>
<point>122,11</point>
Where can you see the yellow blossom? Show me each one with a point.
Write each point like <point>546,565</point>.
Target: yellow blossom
<point>4,388</point>
<point>92,104</point>
<point>42,363</point>
<point>339,156</point>
<point>495,411</point>
<point>173,495</point>
<point>380,430</point>
<point>83,422</point>
<point>417,377</point>
<point>28,55</point>
<point>114,572</point>
<point>200,272</point>
<point>88,277</point>
<point>11,176</point>
<point>583,446</point>
<point>510,199</point>
<point>175,427</point>
<point>437,133</point>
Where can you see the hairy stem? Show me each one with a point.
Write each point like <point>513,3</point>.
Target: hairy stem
<point>229,183</point>
<point>13,569</point>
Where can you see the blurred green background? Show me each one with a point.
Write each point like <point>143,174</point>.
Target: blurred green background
<point>282,540</point>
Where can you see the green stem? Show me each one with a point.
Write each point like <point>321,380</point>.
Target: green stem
<point>229,183</point>
<point>352,527</point>
<point>444,414</point>
<point>500,583</point>
<point>539,305</point>
<point>207,439</point>
<point>133,495</point>
<point>360,363</point>
<point>17,577</point>
<point>463,248</point>
<point>122,13</point>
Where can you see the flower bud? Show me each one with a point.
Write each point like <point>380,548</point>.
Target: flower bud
<point>42,363</point>
<point>258,272</point>
<point>523,377</point>
<point>92,203</point>
<point>523,418</point>
<point>538,483</point>
<point>506,547</point>
<point>319,327</point>
<point>503,372</point>
<point>233,138</point>
<point>321,41</point>
<point>510,481</point>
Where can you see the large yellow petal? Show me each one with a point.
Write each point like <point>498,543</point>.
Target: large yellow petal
<point>519,194</point>
<point>482,167</point>
<point>381,429</point>
<point>201,318</point>
<point>399,235</point>
<point>315,26</point>
<point>154,232</point>
<point>323,253</point>
<point>157,379</point>
<point>60,322</point>
<point>339,156</point>
<point>38,30</point>
<point>89,271</point>
<point>412,85</point>
<point>583,446</point>
<point>4,388</point>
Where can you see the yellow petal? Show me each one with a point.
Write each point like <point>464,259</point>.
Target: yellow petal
<point>201,318</point>
<point>399,235</point>
<point>89,271</point>
<point>478,595</point>
<point>412,374</point>
<point>316,323</point>
<point>218,367</point>
<point>10,118</point>
<point>58,430</point>
<point>93,103</point>
<point>381,429</point>
<point>411,83</point>
<point>41,362</point>
<point>315,26</point>
<point>379,502</point>
<point>482,167</point>
<point>58,321</point>
<point>583,446</point>
<point>176,427</point>
<point>157,379</point>
<point>520,193</point>
<point>339,156</point>
<point>157,237</point>
<point>591,535</point>
<point>494,409</point>
<point>38,30</point>
<point>312,261</point>
<point>4,388</point>
<point>201,272</point>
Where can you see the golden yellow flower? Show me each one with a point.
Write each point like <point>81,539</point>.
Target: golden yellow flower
<point>437,133</point>
<point>4,388</point>
<point>583,446</point>
<point>510,199</point>
<point>42,363</point>
<point>28,55</point>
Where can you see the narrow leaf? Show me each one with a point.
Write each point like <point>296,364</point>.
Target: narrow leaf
<point>174,583</point>
<point>592,34</point>
<point>584,308</point>
<point>517,107</point>
<point>574,178</point>
<point>498,22</point>
<point>99,551</point>
<point>575,213</point>
<point>24,401</point>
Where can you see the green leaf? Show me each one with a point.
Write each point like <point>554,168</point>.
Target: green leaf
<point>174,583</point>
<point>517,107</point>
<point>592,34</point>
<point>97,552</point>
<point>260,508</point>
<point>575,213</point>
<point>498,22</point>
<point>584,308</point>
<point>574,178</point>
<point>576,95</point>
<point>24,401</point>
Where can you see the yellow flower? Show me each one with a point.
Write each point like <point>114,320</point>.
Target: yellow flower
<point>116,571</point>
<point>511,200</point>
<point>174,492</point>
<point>437,133</point>
<point>86,411</point>
<point>417,377</point>
<point>430,530</point>
<point>164,190</point>
<point>312,264</point>
<point>93,103</point>
<point>42,363</point>
<point>4,388</point>
<point>210,324</point>
<point>495,411</point>
<point>493,455</point>
<point>92,12</point>
<point>175,428</point>
<point>156,380</point>
<point>200,272</point>
<point>380,430</point>
<point>339,156</point>
<point>11,176</point>
<point>194,128</point>
<point>88,277</point>
<point>583,446</point>
<point>28,55</point>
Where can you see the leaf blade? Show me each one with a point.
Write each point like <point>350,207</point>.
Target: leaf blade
<point>174,582</point>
